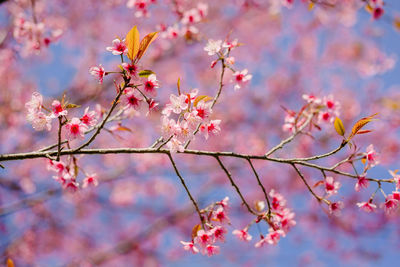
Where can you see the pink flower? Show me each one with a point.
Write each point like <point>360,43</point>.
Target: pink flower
<point>175,145</point>
<point>151,84</point>
<point>220,216</point>
<point>212,250</point>
<point>176,105</point>
<point>203,238</point>
<point>331,187</point>
<point>372,156</point>
<point>224,203</point>
<point>89,118</point>
<point>98,72</point>
<point>71,186</point>
<point>58,110</point>
<point>367,206</point>
<point>278,201</point>
<point>211,128</point>
<point>90,180</point>
<point>390,204</point>
<point>312,99</point>
<point>213,47</point>
<point>274,236</point>
<point>242,235</point>
<point>39,121</point>
<point>230,44</point>
<point>118,47</point>
<point>396,195</point>
<point>189,246</point>
<point>219,233</point>
<point>203,109</point>
<point>362,182</point>
<point>335,208</point>
<point>35,104</point>
<point>241,78</point>
<point>132,98</point>
<point>75,129</point>
<point>131,69</point>
<point>191,16</point>
<point>260,243</point>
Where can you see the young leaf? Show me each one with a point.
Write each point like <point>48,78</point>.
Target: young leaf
<point>144,44</point>
<point>132,42</point>
<point>205,98</point>
<point>72,106</point>
<point>195,229</point>
<point>338,124</point>
<point>360,124</point>
<point>145,73</point>
<point>10,263</point>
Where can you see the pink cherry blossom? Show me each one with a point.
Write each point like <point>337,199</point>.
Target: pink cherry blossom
<point>372,156</point>
<point>241,78</point>
<point>219,233</point>
<point>390,204</point>
<point>98,72</point>
<point>367,206</point>
<point>336,207</point>
<point>331,186</point>
<point>362,182</point>
<point>151,84</point>
<point>118,47</point>
<point>213,47</point>
<point>75,129</point>
<point>90,180</point>
<point>89,118</point>
<point>132,98</point>
<point>131,69</point>
<point>35,104</point>
<point>242,235</point>
<point>39,121</point>
<point>212,250</point>
<point>189,246</point>
<point>204,109</point>
<point>396,178</point>
<point>203,238</point>
<point>58,109</point>
<point>211,128</point>
<point>220,215</point>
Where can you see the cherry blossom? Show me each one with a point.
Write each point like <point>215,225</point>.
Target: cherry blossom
<point>131,69</point>
<point>367,206</point>
<point>58,109</point>
<point>213,47</point>
<point>151,84</point>
<point>212,250</point>
<point>211,128</point>
<point>362,182</point>
<point>331,186</point>
<point>90,180</point>
<point>75,129</point>
<point>336,207</point>
<point>98,72</point>
<point>242,235</point>
<point>372,156</point>
<point>118,47</point>
<point>189,246</point>
<point>241,78</point>
<point>89,118</point>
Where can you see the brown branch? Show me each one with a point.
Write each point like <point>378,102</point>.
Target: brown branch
<point>186,188</point>
<point>234,185</point>
<point>261,185</point>
<point>319,199</point>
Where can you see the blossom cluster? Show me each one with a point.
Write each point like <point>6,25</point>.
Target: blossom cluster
<point>213,230</point>
<point>41,117</point>
<point>223,49</point>
<point>66,175</point>
<point>30,31</point>
<point>193,113</point>
<point>280,220</point>
<point>186,24</point>
<point>325,110</point>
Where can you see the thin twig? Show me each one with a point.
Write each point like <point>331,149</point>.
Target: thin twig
<point>261,185</point>
<point>234,185</point>
<point>186,188</point>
